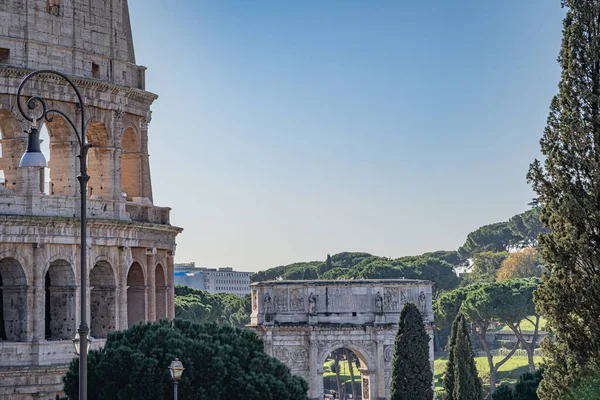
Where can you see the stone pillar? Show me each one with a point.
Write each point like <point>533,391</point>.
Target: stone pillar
<point>369,384</point>
<point>115,171</point>
<point>12,150</point>
<point>38,295</point>
<point>315,383</point>
<point>380,367</point>
<point>124,262</point>
<point>151,270</point>
<point>146,189</point>
<point>171,287</point>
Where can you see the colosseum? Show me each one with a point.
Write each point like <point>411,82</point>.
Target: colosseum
<point>130,242</point>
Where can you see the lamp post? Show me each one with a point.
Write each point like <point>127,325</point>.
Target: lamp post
<point>176,369</point>
<point>33,158</point>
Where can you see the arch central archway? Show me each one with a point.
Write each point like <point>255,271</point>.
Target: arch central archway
<point>102,300</point>
<point>344,373</point>
<point>13,301</point>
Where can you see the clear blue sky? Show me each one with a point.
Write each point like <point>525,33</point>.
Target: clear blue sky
<point>286,130</point>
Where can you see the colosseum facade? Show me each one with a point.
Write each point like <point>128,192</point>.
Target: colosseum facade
<point>130,240</point>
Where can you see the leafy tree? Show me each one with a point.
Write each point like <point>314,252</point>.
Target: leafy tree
<point>528,226</point>
<point>448,378</point>
<point>586,389</point>
<point>411,370</point>
<point>486,265</point>
<point>567,183</point>
<point>220,362</point>
<point>333,274</point>
<point>525,388</point>
<point>467,385</point>
<point>494,237</point>
<point>526,263</point>
<point>328,263</point>
<point>222,308</point>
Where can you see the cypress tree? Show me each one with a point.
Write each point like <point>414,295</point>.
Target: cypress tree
<point>449,374</point>
<point>568,188</point>
<point>467,385</point>
<point>412,376</point>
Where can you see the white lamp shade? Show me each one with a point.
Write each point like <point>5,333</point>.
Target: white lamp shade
<point>33,160</point>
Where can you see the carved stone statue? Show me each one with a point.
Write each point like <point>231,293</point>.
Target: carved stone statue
<point>53,7</point>
<point>423,303</point>
<point>268,305</point>
<point>379,303</point>
<point>312,304</point>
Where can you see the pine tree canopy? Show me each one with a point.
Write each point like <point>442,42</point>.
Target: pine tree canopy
<point>567,183</point>
<point>412,377</point>
<point>220,362</point>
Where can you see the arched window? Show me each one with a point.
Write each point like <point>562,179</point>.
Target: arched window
<point>103,302</point>
<point>136,295</point>
<point>13,301</point>
<point>60,312</point>
<point>161,293</point>
<point>131,162</point>
<point>99,161</point>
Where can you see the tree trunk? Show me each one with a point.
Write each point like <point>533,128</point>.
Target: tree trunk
<point>351,368</point>
<point>336,360</point>
<point>529,347</point>
<point>493,367</point>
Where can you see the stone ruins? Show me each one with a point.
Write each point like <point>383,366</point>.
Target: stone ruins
<point>130,240</point>
<point>302,322</point>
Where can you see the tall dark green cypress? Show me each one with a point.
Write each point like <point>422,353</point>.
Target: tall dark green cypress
<point>449,374</point>
<point>568,186</point>
<point>467,385</point>
<point>412,377</point>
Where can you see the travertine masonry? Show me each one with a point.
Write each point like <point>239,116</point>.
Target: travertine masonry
<point>130,240</point>
<point>302,322</point>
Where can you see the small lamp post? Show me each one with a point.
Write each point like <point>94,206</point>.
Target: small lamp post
<point>176,369</point>
<point>77,343</point>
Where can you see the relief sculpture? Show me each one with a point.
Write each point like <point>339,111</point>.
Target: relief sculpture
<point>299,354</point>
<point>390,299</point>
<point>365,386</point>
<point>296,300</point>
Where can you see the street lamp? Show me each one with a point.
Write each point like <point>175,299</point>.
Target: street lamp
<point>77,343</point>
<point>176,369</point>
<point>33,158</point>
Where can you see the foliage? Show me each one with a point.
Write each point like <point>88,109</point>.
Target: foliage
<point>586,389</point>
<point>486,265</point>
<point>467,385</point>
<point>449,376</point>
<point>528,226</point>
<point>201,306</point>
<point>411,371</point>
<point>525,388</point>
<point>484,304</point>
<point>567,183</point>
<point>220,362</point>
<point>494,237</point>
<point>522,264</point>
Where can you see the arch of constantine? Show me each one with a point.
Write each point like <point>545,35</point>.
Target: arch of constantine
<point>130,240</point>
<point>303,322</point>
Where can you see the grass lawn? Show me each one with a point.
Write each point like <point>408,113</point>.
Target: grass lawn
<point>525,325</point>
<point>344,371</point>
<point>509,372</point>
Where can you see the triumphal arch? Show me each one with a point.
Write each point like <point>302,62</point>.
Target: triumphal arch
<point>130,239</point>
<point>303,322</point>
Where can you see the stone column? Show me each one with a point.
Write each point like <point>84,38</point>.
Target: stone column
<point>171,287</point>
<point>38,295</point>
<point>151,268</point>
<point>146,189</point>
<point>315,383</point>
<point>124,262</point>
<point>380,366</point>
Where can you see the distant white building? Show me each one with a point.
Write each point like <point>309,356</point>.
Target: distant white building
<point>213,280</point>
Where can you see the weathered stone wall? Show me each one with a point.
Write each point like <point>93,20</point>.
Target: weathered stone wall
<point>130,242</point>
<point>302,322</point>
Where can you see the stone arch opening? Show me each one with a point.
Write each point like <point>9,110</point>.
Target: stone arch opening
<point>99,161</point>
<point>62,162</point>
<point>12,145</point>
<point>60,302</point>
<point>103,300</point>
<point>131,165</point>
<point>136,295</point>
<point>13,301</point>
<point>345,373</point>
<point>161,292</point>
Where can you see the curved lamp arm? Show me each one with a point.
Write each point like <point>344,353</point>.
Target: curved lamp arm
<point>46,113</point>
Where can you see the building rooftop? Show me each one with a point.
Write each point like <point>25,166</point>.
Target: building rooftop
<point>350,282</point>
